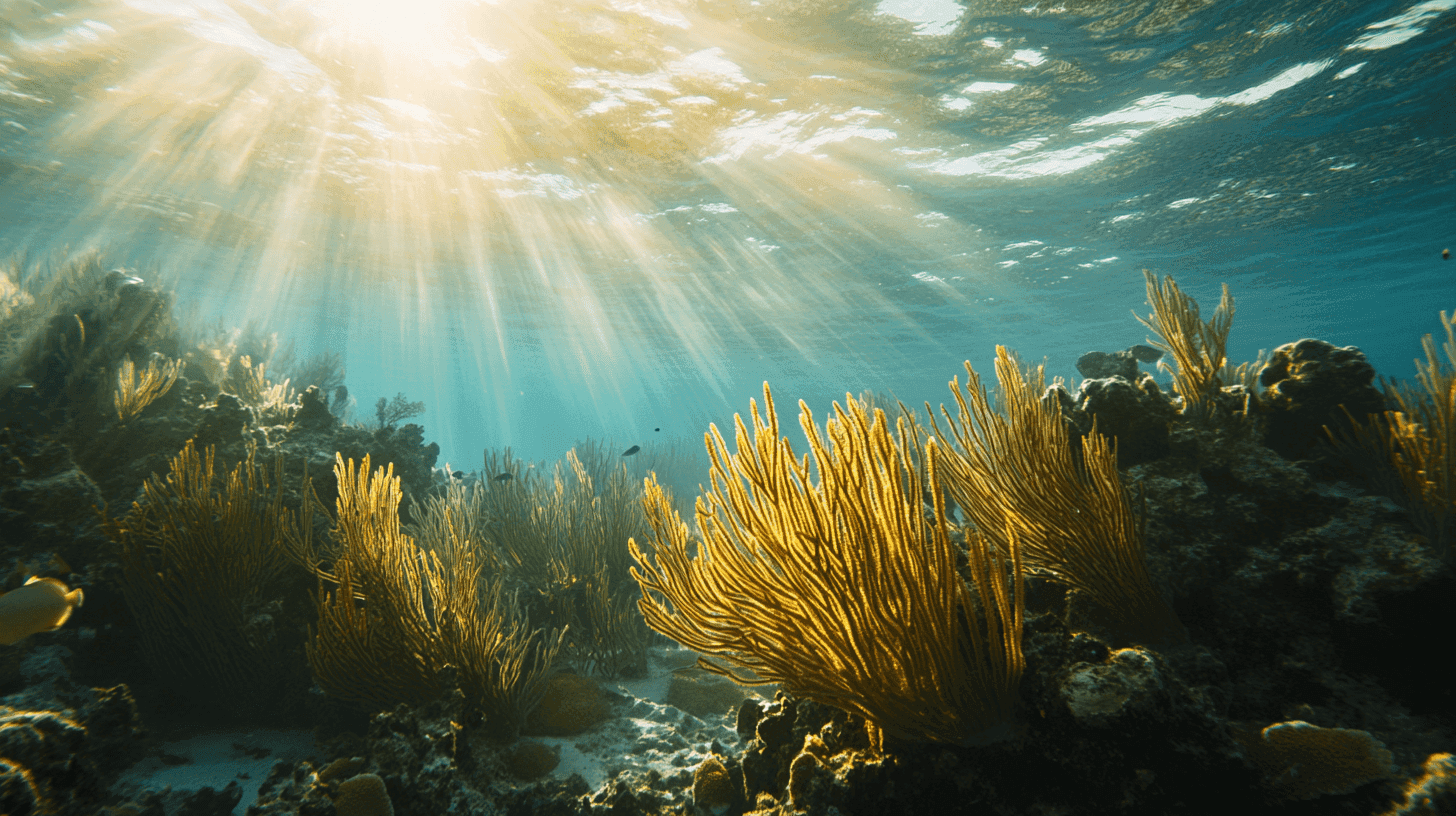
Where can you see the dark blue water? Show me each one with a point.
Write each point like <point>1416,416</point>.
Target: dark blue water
<point>602,219</point>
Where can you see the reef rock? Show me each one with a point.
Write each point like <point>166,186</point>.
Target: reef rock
<point>1306,383</point>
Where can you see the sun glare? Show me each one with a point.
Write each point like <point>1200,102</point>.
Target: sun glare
<point>408,29</point>
<point>641,181</point>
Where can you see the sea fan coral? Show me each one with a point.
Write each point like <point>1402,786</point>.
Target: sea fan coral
<point>1016,473</point>
<point>839,587</point>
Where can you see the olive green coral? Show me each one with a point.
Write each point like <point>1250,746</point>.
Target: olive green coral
<point>202,559</point>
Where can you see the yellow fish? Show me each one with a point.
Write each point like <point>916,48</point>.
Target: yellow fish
<point>42,605</point>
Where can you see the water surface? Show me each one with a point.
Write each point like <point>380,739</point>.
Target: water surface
<point>550,221</point>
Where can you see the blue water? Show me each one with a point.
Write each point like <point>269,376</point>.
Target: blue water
<point>618,219</point>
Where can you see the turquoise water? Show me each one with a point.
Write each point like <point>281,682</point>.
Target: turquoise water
<point>617,219</point>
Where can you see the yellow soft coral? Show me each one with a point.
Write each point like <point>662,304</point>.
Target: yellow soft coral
<point>42,605</point>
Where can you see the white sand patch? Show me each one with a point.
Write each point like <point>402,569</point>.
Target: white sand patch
<point>213,760</point>
<point>645,734</point>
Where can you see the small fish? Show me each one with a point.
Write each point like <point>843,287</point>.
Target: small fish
<point>42,605</point>
<point>631,450</point>
<point>1445,254</point>
<point>118,279</point>
<point>459,474</point>
<point>1145,354</point>
<point>504,477</point>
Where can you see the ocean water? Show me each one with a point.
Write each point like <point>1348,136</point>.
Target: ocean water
<point>618,218</point>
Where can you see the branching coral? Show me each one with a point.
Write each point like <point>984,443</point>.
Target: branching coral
<point>200,566</point>
<point>1411,450</point>
<point>1015,473</point>
<point>840,588</point>
<point>439,522</point>
<point>567,539</point>
<point>390,412</point>
<point>133,395</point>
<point>402,625</point>
<point>67,328</point>
<point>274,402</point>
<point>1196,347</point>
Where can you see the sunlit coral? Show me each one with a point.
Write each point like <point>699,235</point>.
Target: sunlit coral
<point>824,574</point>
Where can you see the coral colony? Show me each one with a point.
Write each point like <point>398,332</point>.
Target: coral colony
<point>1103,599</point>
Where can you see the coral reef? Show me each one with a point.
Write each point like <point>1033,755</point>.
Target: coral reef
<point>1282,654</point>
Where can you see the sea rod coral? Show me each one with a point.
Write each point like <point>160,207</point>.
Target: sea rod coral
<point>1016,472</point>
<point>839,587</point>
<point>402,625</point>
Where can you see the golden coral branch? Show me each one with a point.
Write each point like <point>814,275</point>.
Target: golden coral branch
<point>1411,451</point>
<point>1017,472</point>
<point>399,616</point>
<point>839,588</point>
<point>134,394</point>
<point>1197,347</point>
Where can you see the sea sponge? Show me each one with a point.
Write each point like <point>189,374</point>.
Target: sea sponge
<point>570,705</point>
<point>42,605</point>
<point>707,695</point>
<point>713,792</point>
<point>529,759</point>
<point>811,764</point>
<point>363,795</point>
<point>1302,761</point>
<point>1305,386</point>
<point>342,768</point>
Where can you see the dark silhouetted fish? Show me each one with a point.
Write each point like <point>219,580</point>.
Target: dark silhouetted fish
<point>631,450</point>
<point>1145,354</point>
<point>504,477</point>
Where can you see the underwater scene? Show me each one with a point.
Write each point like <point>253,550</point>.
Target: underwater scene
<point>724,407</point>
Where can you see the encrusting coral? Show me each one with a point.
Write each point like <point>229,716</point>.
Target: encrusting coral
<point>839,588</point>
<point>1303,761</point>
<point>1016,474</point>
